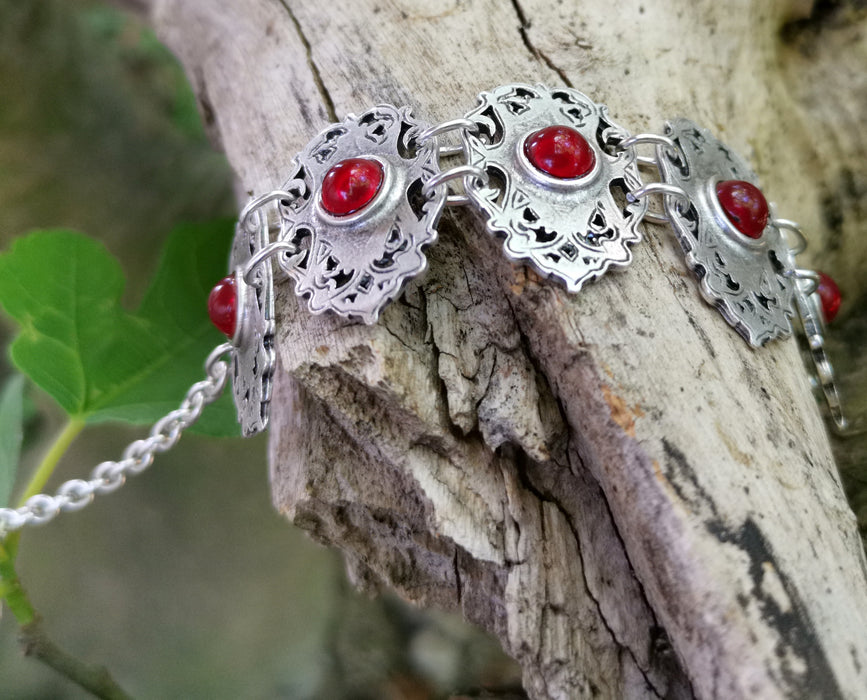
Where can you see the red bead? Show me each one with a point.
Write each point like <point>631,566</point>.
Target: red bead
<point>222,305</point>
<point>829,293</point>
<point>351,185</point>
<point>560,152</point>
<point>745,206</point>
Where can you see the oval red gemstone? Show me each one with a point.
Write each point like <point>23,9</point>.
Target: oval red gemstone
<point>745,206</point>
<point>351,185</point>
<point>829,294</point>
<point>222,305</point>
<point>560,151</point>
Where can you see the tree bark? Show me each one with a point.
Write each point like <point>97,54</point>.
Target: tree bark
<point>633,500</point>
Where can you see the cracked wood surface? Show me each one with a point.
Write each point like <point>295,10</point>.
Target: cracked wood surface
<point>633,500</point>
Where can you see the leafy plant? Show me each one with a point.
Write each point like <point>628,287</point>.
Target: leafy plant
<point>100,362</point>
<point>11,430</point>
<point>97,360</point>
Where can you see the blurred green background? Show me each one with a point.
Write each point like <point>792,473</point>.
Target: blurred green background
<point>186,583</point>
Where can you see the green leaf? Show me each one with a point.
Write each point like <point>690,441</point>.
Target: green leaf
<point>11,432</point>
<point>97,360</point>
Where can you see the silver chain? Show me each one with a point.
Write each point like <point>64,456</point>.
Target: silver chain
<point>107,477</point>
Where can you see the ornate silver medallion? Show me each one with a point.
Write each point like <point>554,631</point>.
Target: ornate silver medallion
<point>570,219</point>
<point>253,358</point>
<point>746,278</point>
<point>360,219</point>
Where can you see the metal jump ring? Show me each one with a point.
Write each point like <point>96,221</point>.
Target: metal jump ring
<point>843,427</point>
<point>260,201</point>
<point>257,258</point>
<point>792,226</point>
<point>809,275</point>
<point>445,127</point>
<point>656,139</point>
<point>655,218</point>
<point>458,200</point>
<point>459,171</point>
<point>215,359</point>
<point>637,139</point>
<point>662,188</point>
<point>446,151</point>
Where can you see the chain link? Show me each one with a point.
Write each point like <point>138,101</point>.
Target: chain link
<point>107,477</point>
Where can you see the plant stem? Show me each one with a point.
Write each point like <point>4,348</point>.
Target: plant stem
<point>10,586</point>
<point>95,679</point>
<point>43,473</point>
<point>11,589</point>
<point>46,467</point>
<point>34,640</point>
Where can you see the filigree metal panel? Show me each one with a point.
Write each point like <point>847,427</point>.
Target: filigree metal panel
<point>355,265</point>
<point>746,279</point>
<point>572,230</point>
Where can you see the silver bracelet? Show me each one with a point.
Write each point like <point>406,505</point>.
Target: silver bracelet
<point>551,174</point>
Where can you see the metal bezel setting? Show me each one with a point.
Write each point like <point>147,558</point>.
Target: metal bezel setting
<point>382,201</point>
<point>711,201</point>
<point>556,183</point>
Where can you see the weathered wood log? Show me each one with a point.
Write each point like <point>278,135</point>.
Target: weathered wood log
<point>614,483</point>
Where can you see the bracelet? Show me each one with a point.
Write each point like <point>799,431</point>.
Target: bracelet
<point>551,174</point>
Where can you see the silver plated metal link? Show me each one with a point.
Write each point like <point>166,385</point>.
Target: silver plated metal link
<point>656,218</point>
<point>459,171</point>
<point>809,307</point>
<point>448,151</point>
<point>808,279</point>
<point>354,265</point>
<point>474,175</point>
<point>254,358</point>
<point>78,492</point>
<point>744,278</point>
<point>108,477</point>
<point>660,188</point>
<point>648,139</point>
<point>249,270</point>
<point>458,200</point>
<point>571,230</point>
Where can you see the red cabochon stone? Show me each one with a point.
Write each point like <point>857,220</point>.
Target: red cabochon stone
<point>222,305</point>
<point>829,293</point>
<point>745,206</point>
<point>560,151</point>
<point>351,185</point>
